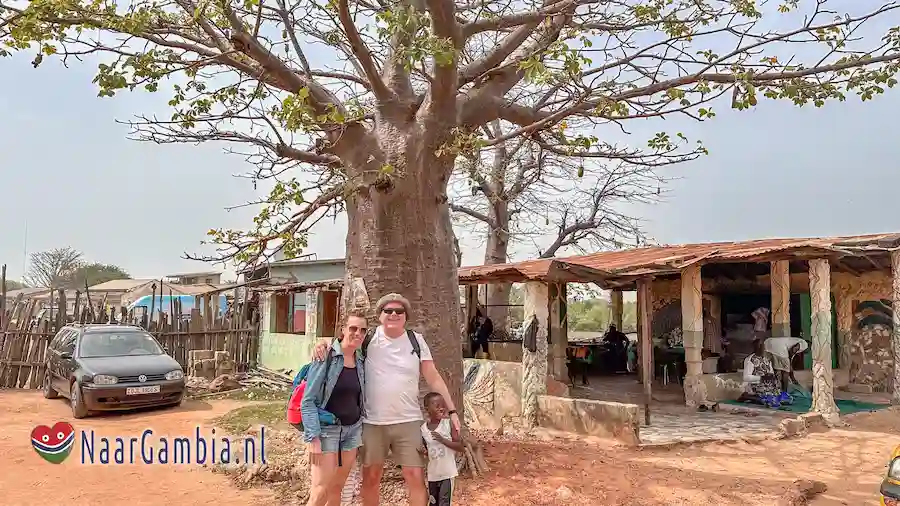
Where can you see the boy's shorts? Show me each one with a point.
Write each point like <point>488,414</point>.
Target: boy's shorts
<point>440,493</point>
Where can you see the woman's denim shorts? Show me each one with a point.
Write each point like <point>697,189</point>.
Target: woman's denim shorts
<point>343,437</point>
<point>332,437</point>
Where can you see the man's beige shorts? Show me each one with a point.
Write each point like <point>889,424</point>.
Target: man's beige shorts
<point>401,441</point>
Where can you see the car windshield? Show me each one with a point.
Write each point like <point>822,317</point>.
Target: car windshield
<point>117,344</point>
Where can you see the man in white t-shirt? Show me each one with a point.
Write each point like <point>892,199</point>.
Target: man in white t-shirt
<point>393,416</point>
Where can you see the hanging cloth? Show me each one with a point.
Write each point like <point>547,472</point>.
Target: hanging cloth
<point>529,338</point>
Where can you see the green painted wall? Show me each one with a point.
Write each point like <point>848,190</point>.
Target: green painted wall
<point>284,351</point>
<point>281,351</point>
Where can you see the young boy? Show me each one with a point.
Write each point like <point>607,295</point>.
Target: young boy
<point>441,443</point>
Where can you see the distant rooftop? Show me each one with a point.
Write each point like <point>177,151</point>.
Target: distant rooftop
<point>26,292</point>
<point>301,261</point>
<point>294,262</point>
<point>193,274</point>
<point>117,285</point>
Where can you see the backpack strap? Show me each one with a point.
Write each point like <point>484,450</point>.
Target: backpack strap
<point>415,343</point>
<point>409,334</point>
<point>365,344</point>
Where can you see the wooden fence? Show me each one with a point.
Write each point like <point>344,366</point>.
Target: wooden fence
<point>24,335</point>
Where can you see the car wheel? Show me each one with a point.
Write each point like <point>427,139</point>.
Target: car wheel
<point>79,410</point>
<point>49,392</point>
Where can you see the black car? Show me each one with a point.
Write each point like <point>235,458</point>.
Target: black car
<point>111,367</point>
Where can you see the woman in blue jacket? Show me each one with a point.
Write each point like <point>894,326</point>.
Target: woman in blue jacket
<point>332,410</point>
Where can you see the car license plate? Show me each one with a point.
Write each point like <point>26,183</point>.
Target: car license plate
<point>142,390</point>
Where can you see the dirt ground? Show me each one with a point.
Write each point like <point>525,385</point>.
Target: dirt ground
<point>850,462</point>
<point>26,479</point>
<point>524,470</point>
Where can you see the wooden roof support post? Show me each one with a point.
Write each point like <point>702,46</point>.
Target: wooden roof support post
<point>645,324</point>
<point>313,316</point>
<point>692,330</point>
<point>616,305</point>
<point>895,334</point>
<point>471,308</point>
<point>781,298</point>
<point>823,378</point>
<point>2,295</point>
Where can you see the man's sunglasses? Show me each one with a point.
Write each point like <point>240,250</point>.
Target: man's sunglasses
<point>390,310</point>
<point>354,329</point>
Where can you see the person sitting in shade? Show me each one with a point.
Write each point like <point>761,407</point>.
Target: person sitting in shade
<point>618,343</point>
<point>760,383</point>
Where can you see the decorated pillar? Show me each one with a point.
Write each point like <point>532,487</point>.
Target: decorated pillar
<point>895,333</point>
<point>559,333</point>
<point>823,379</point>
<point>617,306</point>
<point>844,310</point>
<point>534,349</point>
<point>692,329</point>
<point>781,298</point>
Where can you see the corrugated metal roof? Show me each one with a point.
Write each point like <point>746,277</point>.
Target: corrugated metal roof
<point>119,285</point>
<point>26,292</point>
<point>276,285</point>
<point>632,263</point>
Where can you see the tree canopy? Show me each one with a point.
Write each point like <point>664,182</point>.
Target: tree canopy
<point>66,268</point>
<point>93,273</point>
<point>335,86</point>
<point>14,285</point>
<point>51,268</point>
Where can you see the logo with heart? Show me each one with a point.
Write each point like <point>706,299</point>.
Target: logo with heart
<point>53,444</point>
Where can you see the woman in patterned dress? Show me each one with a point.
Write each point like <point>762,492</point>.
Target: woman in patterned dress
<point>760,382</point>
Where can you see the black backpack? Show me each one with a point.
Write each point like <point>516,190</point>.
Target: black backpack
<point>409,334</point>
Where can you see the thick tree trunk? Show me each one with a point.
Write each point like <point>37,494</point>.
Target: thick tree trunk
<point>497,252</point>
<point>400,240</point>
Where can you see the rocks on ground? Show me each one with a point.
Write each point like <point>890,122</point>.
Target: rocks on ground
<point>209,364</point>
<point>802,425</point>
<point>287,471</point>
<point>802,491</point>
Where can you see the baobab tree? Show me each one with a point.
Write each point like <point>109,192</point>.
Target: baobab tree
<point>367,104</point>
<point>517,193</point>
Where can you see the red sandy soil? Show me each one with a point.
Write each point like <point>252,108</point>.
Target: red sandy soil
<point>525,470</point>
<point>850,461</point>
<point>26,479</point>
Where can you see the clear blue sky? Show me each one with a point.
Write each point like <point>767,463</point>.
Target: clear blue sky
<point>69,170</point>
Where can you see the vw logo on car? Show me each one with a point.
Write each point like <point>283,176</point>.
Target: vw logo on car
<point>142,378</point>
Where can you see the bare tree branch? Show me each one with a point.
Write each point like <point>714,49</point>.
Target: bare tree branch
<point>379,89</point>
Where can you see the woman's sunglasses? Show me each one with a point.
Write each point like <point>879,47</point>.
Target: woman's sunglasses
<point>393,311</point>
